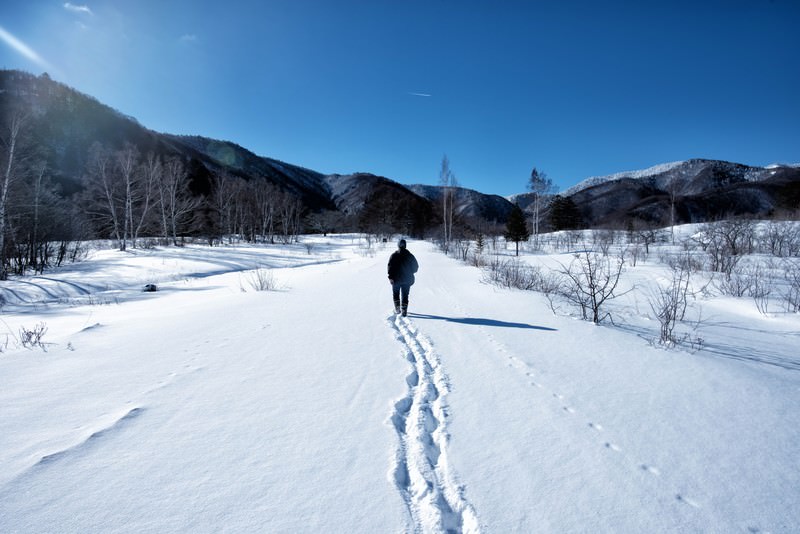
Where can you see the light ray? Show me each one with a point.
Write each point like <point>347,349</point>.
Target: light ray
<point>22,48</point>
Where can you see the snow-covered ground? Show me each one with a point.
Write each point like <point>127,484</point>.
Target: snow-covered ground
<point>208,406</point>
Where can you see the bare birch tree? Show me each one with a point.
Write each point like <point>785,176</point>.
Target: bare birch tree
<point>540,185</point>
<point>265,202</point>
<point>223,197</point>
<point>11,130</point>
<point>104,193</point>
<point>448,182</point>
<point>147,179</point>
<point>176,202</point>
<point>126,161</point>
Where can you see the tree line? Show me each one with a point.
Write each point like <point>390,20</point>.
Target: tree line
<point>126,196</point>
<point>137,199</point>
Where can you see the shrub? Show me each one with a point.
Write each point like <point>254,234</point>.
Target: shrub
<point>262,279</point>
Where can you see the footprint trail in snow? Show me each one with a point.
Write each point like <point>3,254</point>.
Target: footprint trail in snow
<point>422,470</point>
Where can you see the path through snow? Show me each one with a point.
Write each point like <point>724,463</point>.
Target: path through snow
<point>423,472</point>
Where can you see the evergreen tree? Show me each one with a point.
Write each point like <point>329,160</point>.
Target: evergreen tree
<point>564,214</point>
<point>516,227</point>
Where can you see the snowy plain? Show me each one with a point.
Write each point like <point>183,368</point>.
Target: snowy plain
<point>208,406</point>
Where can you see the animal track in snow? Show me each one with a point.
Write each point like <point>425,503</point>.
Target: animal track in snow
<point>421,470</point>
<point>650,469</point>
<point>686,500</point>
<point>530,370</point>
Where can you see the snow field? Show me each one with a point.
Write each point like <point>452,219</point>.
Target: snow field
<point>209,406</point>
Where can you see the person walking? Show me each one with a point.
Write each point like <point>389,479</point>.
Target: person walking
<point>402,266</point>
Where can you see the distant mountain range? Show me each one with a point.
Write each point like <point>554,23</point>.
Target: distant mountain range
<point>697,190</point>
<point>69,122</point>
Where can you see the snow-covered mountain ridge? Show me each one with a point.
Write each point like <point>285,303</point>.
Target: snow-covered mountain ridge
<point>679,169</point>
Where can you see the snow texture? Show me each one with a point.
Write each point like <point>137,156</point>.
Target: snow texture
<point>208,406</point>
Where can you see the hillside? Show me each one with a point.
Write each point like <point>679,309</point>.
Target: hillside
<point>468,202</point>
<point>66,123</point>
<point>698,190</point>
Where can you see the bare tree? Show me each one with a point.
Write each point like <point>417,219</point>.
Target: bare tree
<point>103,195</point>
<point>782,238</point>
<point>591,281</point>
<point>673,188</point>
<point>223,197</point>
<point>37,247</point>
<point>541,186</point>
<point>603,239</point>
<point>325,221</point>
<point>144,194</point>
<point>448,182</point>
<point>176,202</point>
<point>126,166</point>
<point>646,234</point>
<point>669,304</point>
<point>791,295</point>
<point>11,131</point>
<point>265,196</point>
<point>289,209</point>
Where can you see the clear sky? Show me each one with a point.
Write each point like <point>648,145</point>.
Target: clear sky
<point>574,88</point>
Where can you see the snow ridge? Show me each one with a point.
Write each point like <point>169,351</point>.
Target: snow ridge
<point>422,470</point>
<point>118,424</point>
<point>644,173</point>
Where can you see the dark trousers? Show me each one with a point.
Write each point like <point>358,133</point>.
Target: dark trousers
<point>400,296</point>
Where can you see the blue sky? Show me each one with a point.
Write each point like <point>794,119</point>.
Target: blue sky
<point>574,88</point>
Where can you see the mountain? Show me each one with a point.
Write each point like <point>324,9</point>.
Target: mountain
<point>699,190</point>
<point>309,185</point>
<point>66,123</point>
<point>381,204</point>
<point>468,203</point>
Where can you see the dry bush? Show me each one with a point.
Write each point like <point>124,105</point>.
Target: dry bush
<point>261,279</point>
<point>34,337</point>
<point>589,282</point>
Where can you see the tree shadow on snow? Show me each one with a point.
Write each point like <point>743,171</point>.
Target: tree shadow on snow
<point>480,322</point>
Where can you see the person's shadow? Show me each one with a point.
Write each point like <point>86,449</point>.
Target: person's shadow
<point>475,321</point>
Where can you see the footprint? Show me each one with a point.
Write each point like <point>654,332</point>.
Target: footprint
<point>597,427</point>
<point>612,447</point>
<point>413,379</point>
<point>686,500</point>
<point>650,469</point>
<point>568,409</point>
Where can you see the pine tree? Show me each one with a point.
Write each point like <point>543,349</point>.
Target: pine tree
<point>564,214</point>
<point>516,227</point>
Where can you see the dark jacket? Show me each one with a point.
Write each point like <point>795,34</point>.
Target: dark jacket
<point>402,266</point>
